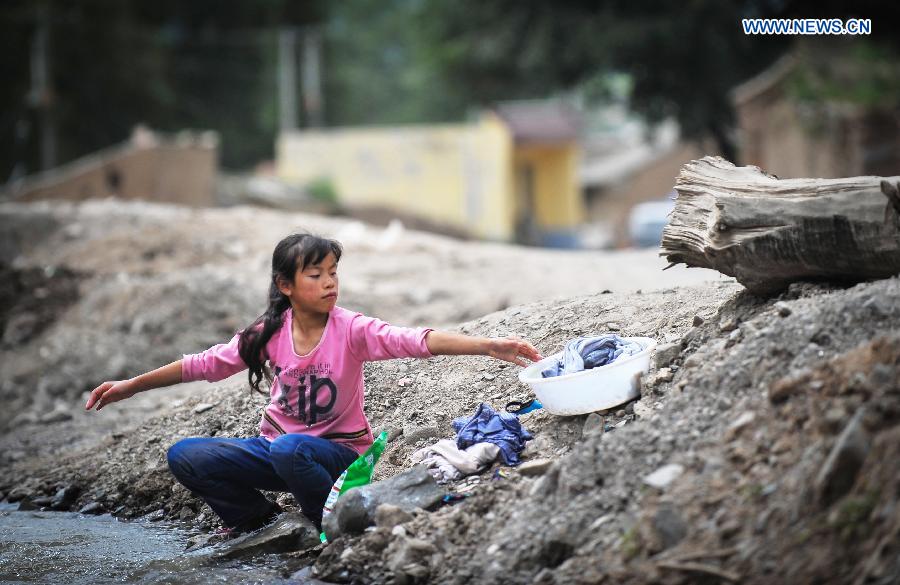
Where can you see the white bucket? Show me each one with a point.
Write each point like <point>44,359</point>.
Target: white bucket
<point>589,390</point>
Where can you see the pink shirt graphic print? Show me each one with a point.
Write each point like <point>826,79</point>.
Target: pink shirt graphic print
<point>308,394</point>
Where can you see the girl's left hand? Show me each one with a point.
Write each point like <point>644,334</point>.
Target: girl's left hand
<point>512,349</point>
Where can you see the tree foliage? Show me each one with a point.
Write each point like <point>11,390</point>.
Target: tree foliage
<point>205,64</point>
<point>683,58</point>
<point>212,64</point>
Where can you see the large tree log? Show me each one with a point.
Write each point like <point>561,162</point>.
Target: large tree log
<point>769,232</point>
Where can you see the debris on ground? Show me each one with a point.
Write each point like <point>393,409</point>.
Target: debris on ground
<point>763,446</point>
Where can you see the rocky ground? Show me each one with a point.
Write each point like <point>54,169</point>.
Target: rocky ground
<point>774,445</point>
<point>763,447</point>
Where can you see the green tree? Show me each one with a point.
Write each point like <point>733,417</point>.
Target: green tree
<point>115,63</point>
<point>683,58</point>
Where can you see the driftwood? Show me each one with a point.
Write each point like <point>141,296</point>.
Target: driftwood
<point>769,232</point>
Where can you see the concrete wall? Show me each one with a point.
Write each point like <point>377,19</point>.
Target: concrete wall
<point>182,173</point>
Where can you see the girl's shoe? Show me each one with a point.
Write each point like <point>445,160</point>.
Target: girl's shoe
<point>227,533</point>
<point>257,523</point>
<point>224,533</point>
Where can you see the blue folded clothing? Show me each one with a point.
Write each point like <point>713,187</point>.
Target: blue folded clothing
<point>500,428</point>
<point>585,353</point>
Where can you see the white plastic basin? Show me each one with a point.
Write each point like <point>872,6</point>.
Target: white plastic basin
<point>589,390</point>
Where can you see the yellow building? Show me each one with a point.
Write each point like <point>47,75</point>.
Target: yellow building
<point>510,176</point>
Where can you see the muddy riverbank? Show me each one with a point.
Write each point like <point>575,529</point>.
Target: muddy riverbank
<point>773,422</point>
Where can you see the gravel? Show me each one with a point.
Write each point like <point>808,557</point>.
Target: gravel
<point>756,402</point>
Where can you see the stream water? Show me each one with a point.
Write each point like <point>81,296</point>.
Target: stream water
<point>65,547</point>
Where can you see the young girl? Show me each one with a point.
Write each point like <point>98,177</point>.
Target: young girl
<point>313,352</point>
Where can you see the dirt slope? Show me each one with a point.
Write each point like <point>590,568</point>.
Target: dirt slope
<point>751,415</point>
<point>105,289</point>
<point>781,412</point>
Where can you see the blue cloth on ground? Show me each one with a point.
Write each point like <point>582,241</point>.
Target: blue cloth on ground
<point>585,353</point>
<point>500,428</point>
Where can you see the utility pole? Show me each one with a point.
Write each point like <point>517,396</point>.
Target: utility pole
<point>41,95</point>
<point>312,84</point>
<point>287,78</point>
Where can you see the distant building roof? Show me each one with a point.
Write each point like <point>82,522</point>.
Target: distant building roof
<point>540,122</point>
<point>629,155</point>
<point>764,81</point>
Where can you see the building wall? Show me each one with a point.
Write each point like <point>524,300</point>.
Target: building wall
<point>782,138</point>
<point>828,139</point>
<point>453,174</point>
<point>170,173</point>
<point>557,202</point>
<point>489,179</point>
<point>831,141</point>
<point>653,182</point>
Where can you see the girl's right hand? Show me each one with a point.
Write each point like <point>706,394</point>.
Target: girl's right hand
<point>109,392</point>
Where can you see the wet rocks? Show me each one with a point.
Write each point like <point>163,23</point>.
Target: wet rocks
<point>306,577</point>
<point>156,515</point>
<point>291,532</point>
<point>199,541</point>
<point>186,513</point>
<point>355,510</point>
<point>19,493</point>
<point>26,505</point>
<point>65,497</point>
<point>91,508</point>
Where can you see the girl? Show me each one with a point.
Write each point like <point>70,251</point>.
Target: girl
<point>312,352</point>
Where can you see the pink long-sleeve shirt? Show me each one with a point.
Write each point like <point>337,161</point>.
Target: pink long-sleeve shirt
<point>320,393</point>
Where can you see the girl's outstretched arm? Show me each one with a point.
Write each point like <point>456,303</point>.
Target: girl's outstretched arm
<point>510,349</point>
<point>109,392</point>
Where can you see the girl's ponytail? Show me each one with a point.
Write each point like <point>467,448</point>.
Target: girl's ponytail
<point>291,254</point>
<point>254,338</point>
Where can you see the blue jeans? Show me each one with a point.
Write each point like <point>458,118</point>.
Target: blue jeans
<point>228,473</point>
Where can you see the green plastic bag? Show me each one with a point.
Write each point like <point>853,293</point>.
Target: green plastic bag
<point>359,473</point>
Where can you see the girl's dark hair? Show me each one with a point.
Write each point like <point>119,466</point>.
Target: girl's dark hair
<point>293,253</point>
